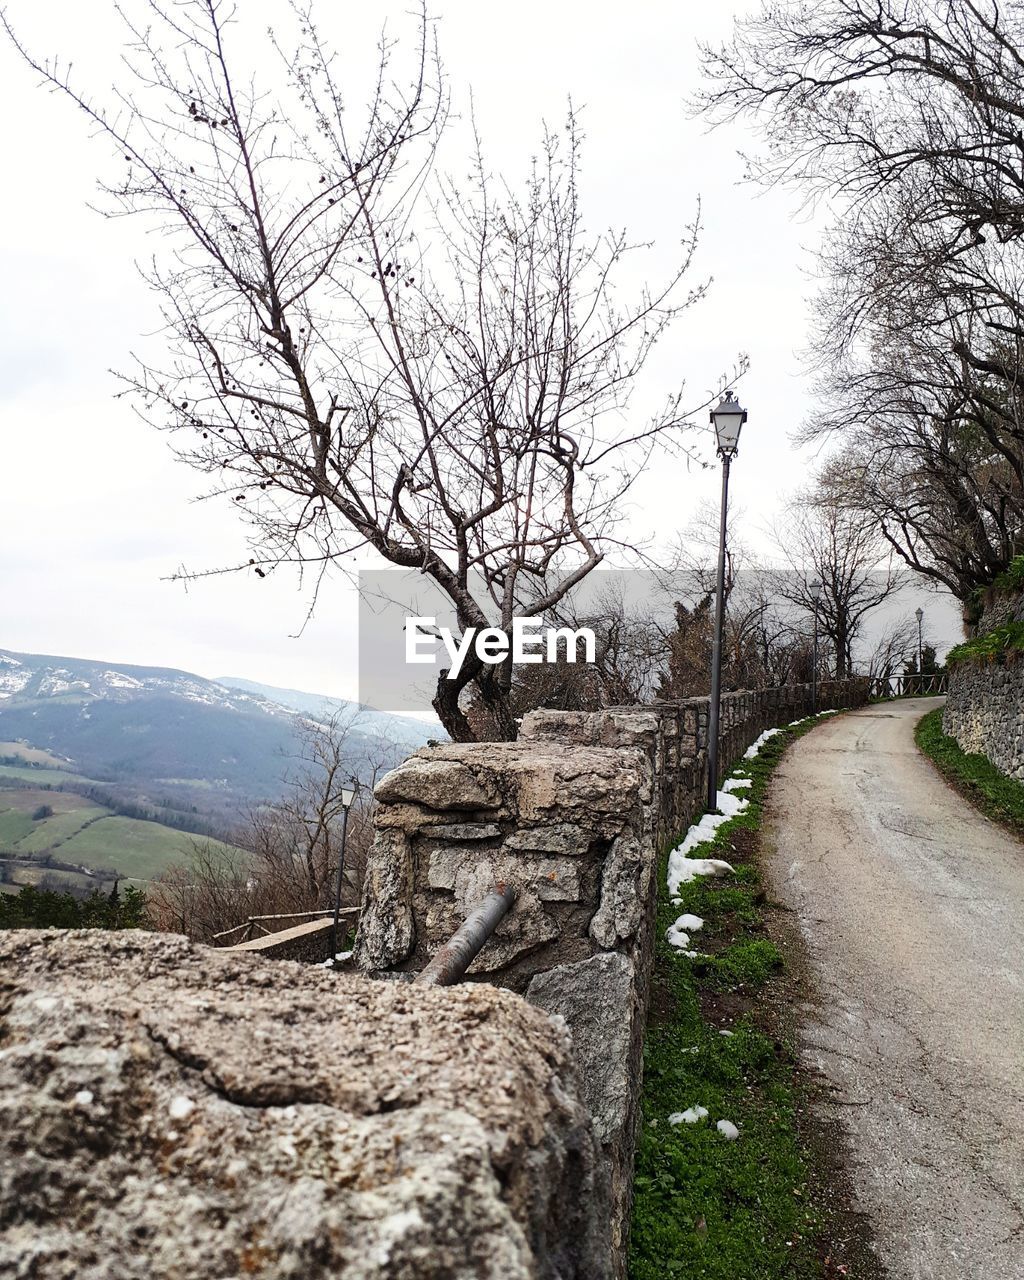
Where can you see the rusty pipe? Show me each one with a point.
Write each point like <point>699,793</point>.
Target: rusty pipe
<point>449,965</point>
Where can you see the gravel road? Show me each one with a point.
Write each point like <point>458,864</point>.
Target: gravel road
<point>912,907</point>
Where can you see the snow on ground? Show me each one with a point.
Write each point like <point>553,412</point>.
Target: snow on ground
<point>759,742</point>
<point>728,1130</point>
<point>678,934</point>
<point>690,1116</point>
<point>681,867</point>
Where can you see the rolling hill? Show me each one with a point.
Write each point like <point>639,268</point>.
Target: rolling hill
<point>151,754</point>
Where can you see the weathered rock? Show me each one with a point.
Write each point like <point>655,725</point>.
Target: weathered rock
<point>570,841</point>
<point>464,831</point>
<point>387,932</point>
<point>625,890</point>
<point>984,709</point>
<point>599,1001</point>
<point>437,783</point>
<point>171,1111</point>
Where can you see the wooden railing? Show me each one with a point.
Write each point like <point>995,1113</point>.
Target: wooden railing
<point>910,686</point>
<point>256,926</point>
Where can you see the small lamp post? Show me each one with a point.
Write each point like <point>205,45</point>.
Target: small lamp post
<point>919,615</point>
<point>348,794</point>
<point>814,591</point>
<point>727,418</point>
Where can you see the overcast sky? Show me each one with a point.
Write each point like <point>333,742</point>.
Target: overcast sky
<point>95,513</point>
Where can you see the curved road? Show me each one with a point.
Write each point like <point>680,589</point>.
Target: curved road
<point>912,907</point>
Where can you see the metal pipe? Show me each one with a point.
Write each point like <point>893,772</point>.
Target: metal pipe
<point>458,953</point>
<point>716,652</point>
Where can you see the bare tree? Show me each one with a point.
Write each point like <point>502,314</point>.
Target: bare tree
<point>908,117</point>
<point>824,539</point>
<point>445,378</point>
<point>284,859</point>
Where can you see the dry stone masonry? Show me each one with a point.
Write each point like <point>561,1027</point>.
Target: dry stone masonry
<point>984,709</point>
<point>178,1112</point>
<point>575,815</point>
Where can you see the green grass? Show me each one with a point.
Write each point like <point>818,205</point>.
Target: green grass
<point>135,848</point>
<point>974,775</point>
<point>1012,579</point>
<point>55,832</point>
<point>42,777</point>
<point>14,826</point>
<point>705,1207</point>
<point>993,646</point>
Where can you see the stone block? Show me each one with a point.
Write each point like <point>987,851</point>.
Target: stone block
<point>174,1111</point>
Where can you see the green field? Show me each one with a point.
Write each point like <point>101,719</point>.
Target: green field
<point>84,834</point>
<point>24,773</point>
<point>139,849</point>
<point>55,833</point>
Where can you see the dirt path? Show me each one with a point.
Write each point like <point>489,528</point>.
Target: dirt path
<point>912,907</point>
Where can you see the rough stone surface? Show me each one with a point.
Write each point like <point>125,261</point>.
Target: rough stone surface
<point>985,711</point>
<point>387,933</point>
<point>433,783</point>
<point>572,816</point>
<point>177,1112</point>
<point>599,1000</point>
<point>625,891</point>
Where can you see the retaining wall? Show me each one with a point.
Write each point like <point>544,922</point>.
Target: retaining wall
<point>984,709</point>
<point>574,815</point>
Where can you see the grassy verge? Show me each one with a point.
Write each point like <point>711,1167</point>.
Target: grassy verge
<point>972,774</point>
<point>704,1206</point>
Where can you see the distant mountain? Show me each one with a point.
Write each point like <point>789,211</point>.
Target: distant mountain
<point>402,730</point>
<point>170,737</point>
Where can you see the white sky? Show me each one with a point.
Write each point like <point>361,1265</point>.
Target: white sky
<point>94,511</point>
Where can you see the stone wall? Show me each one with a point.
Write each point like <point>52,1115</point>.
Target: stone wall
<point>178,1111</point>
<point>984,709</point>
<point>574,815</point>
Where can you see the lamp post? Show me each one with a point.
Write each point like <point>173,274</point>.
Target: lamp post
<point>727,418</point>
<point>814,590</point>
<point>348,794</point>
<point>919,614</point>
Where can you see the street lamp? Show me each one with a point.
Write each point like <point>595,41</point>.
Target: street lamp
<point>919,614</point>
<point>727,418</point>
<point>814,591</point>
<point>348,794</point>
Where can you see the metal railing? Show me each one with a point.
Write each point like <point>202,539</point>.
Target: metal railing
<point>909,686</point>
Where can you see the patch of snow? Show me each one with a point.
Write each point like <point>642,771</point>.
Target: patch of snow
<point>83,1098</point>
<point>676,934</point>
<point>118,680</point>
<point>687,921</point>
<point>690,1116</point>
<point>737,784</point>
<point>726,1033</point>
<point>759,742</point>
<point>728,1130</point>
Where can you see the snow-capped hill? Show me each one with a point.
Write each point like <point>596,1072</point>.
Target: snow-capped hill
<point>166,732</point>
<point>31,676</point>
